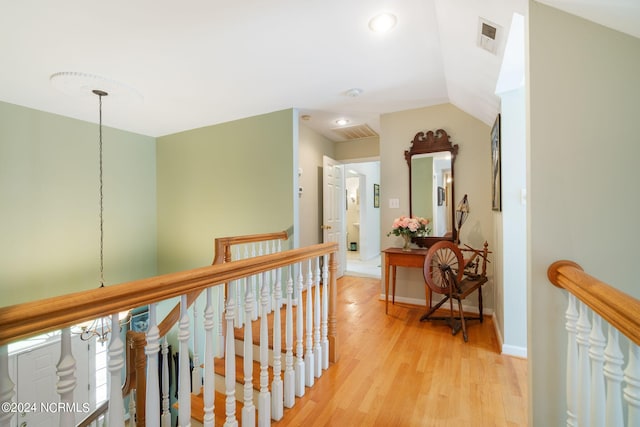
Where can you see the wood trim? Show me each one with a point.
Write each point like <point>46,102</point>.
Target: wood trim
<point>222,245</point>
<point>36,317</point>
<point>621,310</point>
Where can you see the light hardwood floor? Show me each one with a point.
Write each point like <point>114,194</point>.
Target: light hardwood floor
<point>397,371</point>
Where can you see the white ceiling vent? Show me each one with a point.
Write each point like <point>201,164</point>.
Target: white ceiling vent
<point>355,132</point>
<point>488,35</point>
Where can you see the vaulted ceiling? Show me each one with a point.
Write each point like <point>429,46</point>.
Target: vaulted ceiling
<point>172,66</point>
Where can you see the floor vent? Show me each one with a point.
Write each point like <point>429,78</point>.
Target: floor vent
<point>355,132</point>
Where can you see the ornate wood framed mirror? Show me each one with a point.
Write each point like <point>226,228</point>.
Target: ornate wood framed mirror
<point>431,184</point>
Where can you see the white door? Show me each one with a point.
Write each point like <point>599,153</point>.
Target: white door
<point>37,379</point>
<point>333,208</point>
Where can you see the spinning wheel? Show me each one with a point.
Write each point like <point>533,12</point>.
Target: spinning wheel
<point>442,256</point>
<point>444,273</point>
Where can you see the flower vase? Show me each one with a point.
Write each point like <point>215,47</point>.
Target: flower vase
<point>407,242</point>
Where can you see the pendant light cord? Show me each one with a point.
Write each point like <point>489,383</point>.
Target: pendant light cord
<point>100,94</point>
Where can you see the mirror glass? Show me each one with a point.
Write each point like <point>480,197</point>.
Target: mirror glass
<point>431,184</point>
<point>431,191</point>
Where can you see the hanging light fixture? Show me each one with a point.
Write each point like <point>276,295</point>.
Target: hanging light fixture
<point>462,212</point>
<point>100,327</point>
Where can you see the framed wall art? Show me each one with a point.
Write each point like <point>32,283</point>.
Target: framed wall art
<point>496,176</point>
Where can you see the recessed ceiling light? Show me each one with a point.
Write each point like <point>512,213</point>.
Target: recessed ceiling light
<point>342,122</point>
<point>382,23</point>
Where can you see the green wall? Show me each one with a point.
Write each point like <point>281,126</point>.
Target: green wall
<point>229,179</point>
<point>49,205</point>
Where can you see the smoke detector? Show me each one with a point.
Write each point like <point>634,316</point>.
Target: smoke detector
<point>488,34</point>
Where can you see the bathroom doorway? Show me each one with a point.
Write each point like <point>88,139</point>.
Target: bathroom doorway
<point>362,219</point>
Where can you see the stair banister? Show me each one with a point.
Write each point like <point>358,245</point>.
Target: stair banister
<point>592,359</point>
<point>29,319</point>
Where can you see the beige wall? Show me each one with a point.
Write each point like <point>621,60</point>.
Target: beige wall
<point>229,179</point>
<point>365,148</point>
<point>584,87</point>
<point>49,214</point>
<point>312,146</point>
<point>472,176</point>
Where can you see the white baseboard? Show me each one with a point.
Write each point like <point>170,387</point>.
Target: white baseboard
<point>507,349</point>
<point>516,351</point>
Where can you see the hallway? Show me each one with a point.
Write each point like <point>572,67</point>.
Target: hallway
<point>394,370</point>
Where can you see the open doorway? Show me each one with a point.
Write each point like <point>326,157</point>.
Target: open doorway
<point>362,219</point>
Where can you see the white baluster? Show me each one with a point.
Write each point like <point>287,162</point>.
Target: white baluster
<point>132,408</point>
<point>239,293</point>
<point>66,369</point>
<point>308,355</point>
<point>116,363</point>
<point>6,387</point>
<point>299,366</point>
<point>255,290</point>
<point>196,375</point>
<point>209,354</point>
<point>277,393</point>
<point>152,403</point>
<point>596,353</point>
<point>584,387</point>
<point>613,372</point>
<point>184,385</point>
<point>220,304</point>
<point>264,398</point>
<point>325,314</point>
<point>249,409</point>
<point>571,315</point>
<point>165,419</point>
<point>289,373</point>
<point>317,352</point>
<point>632,389</point>
<point>239,286</point>
<point>230,367</point>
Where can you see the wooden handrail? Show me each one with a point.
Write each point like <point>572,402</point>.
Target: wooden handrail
<point>136,341</point>
<point>223,244</point>
<point>621,310</point>
<point>36,317</point>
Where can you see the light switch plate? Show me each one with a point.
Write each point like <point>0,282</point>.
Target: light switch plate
<point>394,203</point>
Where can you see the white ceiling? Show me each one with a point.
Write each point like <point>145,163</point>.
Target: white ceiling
<point>196,63</point>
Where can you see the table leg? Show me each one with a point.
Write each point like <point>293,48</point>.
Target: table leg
<point>386,286</point>
<point>393,278</point>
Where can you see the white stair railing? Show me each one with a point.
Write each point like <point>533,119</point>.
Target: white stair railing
<point>599,392</point>
<point>116,365</point>
<point>264,398</point>
<point>248,410</point>
<point>230,366</point>
<point>277,392</point>
<point>309,363</point>
<point>209,352</point>
<point>165,419</point>
<point>272,397</point>
<point>66,378</point>
<point>289,372</point>
<point>152,405</point>
<point>299,365</point>
<point>184,384</point>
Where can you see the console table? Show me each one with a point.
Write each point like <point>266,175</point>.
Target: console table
<point>396,257</point>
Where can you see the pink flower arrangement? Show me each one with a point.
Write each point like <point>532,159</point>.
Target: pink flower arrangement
<point>406,226</point>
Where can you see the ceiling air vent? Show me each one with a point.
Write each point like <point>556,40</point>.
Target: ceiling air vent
<point>354,132</point>
<point>488,34</point>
